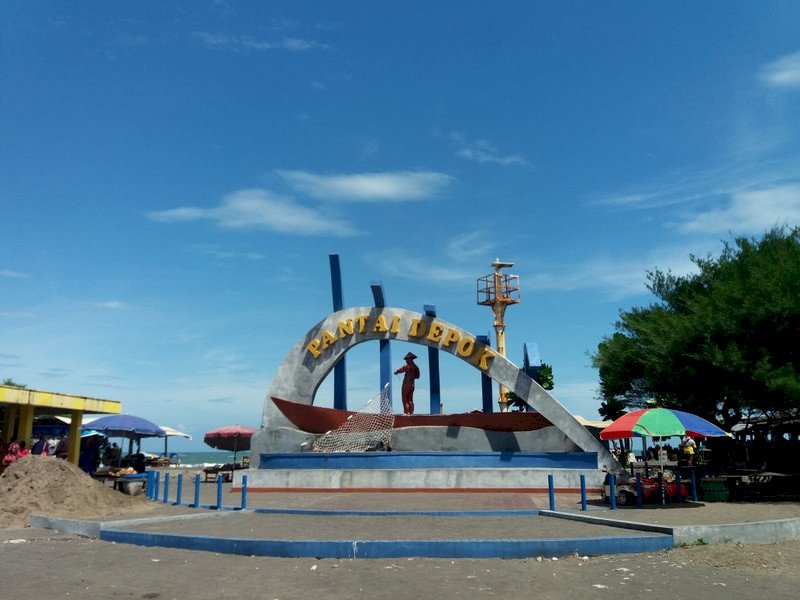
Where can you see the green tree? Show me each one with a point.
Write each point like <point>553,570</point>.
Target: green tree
<point>11,383</point>
<point>543,375</point>
<point>719,343</point>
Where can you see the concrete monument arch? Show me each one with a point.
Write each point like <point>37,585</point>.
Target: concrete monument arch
<point>316,354</point>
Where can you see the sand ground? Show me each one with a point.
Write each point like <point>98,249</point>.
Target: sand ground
<point>44,564</point>
<point>36,563</point>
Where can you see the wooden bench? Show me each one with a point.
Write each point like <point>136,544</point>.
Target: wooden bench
<point>217,471</point>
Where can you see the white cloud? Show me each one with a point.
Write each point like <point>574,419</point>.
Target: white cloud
<point>470,245</point>
<point>483,151</point>
<point>112,305</point>
<point>783,73</point>
<point>244,42</point>
<point>13,274</point>
<point>749,212</point>
<point>366,187</point>
<point>224,254</point>
<point>615,278</point>
<point>418,268</point>
<point>685,186</point>
<point>260,209</point>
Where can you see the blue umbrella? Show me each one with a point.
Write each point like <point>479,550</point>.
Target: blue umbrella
<point>127,426</point>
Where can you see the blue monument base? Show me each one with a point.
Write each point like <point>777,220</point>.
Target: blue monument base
<point>428,460</point>
<point>420,471</point>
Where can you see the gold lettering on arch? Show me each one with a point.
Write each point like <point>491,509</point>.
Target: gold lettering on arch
<point>449,338</point>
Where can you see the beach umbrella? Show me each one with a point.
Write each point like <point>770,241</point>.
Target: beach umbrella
<point>170,432</point>
<point>127,426</point>
<point>660,422</point>
<point>230,437</point>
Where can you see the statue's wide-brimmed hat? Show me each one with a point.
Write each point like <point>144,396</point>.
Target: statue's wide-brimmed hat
<point>410,355</point>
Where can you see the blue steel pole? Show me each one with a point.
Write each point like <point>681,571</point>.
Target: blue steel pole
<point>486,382</point>
<point>244,492</point>
<point>639,497</point>
<point>384,349</point>
<point>694,486</point>
<point>612,490</point>
<point>219,492</point>
<point>433,370</point>
<point>157,485</point>
<point>166,487</point>
<point>552,492</point>
<point>179,490</point>
<point>583,492</point>
<point>197,490</point>
<point>339,370</point>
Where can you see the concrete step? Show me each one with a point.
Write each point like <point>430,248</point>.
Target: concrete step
<point>535,480</point>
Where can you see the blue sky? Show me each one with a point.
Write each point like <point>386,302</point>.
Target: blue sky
<point>174,176</point>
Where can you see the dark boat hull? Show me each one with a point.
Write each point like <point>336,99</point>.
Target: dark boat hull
<point>317,419</point>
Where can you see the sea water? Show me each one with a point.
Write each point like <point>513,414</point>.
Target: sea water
<point>205,459</point>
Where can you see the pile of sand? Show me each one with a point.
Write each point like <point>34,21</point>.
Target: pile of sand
<point>50,486</point>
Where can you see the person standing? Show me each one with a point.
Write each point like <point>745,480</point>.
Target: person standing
<point>689,450</point>
<point>411,372</point>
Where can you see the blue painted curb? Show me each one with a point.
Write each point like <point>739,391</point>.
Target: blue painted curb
<point>394,548</point>
<point>397,513</point>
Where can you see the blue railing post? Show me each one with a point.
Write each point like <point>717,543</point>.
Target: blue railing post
<point>639,495</point>
<point>179,489</point>
<point>583,492</point>
<point>612,491</point>
<point>197,490</point>
<point>166,488</point>
<point>244,491</point>
<point>552,492</point>
<point>156,485</point>
<point>694,485</point>
<point>219,491</point>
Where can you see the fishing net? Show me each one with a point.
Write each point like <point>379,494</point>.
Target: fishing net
<point>368,429</point>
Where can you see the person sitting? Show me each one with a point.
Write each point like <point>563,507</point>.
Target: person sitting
<point>139,462</point>
<point>40,447</point>
<point>11,454</point>
<point>62,448</point>
<point>615,451</point>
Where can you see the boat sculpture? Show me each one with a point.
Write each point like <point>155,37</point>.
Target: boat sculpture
<point>318,419</point>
